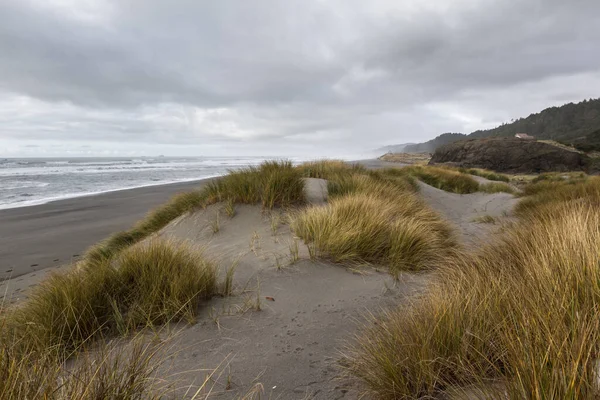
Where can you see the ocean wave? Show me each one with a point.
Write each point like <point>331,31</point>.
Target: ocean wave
<point>14,202</point>
<point>23,185</point>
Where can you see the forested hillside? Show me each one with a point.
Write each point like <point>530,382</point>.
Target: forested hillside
<point>575,124</point>
<point>565,123</point>
<point>430,146</point>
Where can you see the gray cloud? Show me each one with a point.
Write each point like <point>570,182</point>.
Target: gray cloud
<point>349,74</point>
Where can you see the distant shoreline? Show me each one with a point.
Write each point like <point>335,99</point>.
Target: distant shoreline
<point>50,200</point>
<point>43,236</point>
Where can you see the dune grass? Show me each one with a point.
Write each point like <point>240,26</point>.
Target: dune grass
<point>571,177</point>
<point>496,187</point>
<point>329,169</point>
<point>387,185</point>
<point>444,179</point>
<point>145,285</point>
<point>273,183</point>
<point>524,313</point>
<point>122,285</point>
<point>546,194</point>
<point>457,180</point>
<point>113,372</point>
<point>485,219</point>
<point>153,222</point>
<point>492,176</point>
<point>369,220</point>
<point>56,345</point>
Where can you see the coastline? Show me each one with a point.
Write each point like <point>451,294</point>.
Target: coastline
<point>88,194</point>
<point>45,236</point>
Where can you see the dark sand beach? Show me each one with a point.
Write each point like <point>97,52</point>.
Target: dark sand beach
<point>48,235</point>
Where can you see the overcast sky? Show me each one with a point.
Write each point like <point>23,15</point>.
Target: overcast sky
<point>281,77</point>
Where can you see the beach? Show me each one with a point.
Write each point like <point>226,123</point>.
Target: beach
<point>46,236</point>
<point>39,237</point>
<point>280,310</point>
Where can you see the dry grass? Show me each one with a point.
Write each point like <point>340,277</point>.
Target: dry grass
<point>444,179</point>
<point>524,312</point>
<point>329,169</point>
<point>145,285</point>
<point>407,158</point>
<point>55,345</point>
<point>492,176</point>
<point>496,187</point>
<point>546,194</point>
<point>390,184</point>
<point>108,373</point>
<point>229,208</point>
<point>485,219</point>
<point>273,183</point>
<point>153,222</point>
<point>372,221</point>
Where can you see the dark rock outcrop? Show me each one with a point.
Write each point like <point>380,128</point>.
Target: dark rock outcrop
<point>510,155</point>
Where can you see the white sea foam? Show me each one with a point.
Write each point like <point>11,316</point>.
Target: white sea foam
<point>26,182</point>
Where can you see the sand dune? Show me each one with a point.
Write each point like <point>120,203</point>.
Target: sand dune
<point>307,310</point>
<point>288,316</point>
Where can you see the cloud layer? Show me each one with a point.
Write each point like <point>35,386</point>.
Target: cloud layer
<point>256,76</point>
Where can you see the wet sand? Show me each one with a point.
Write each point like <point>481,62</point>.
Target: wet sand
<point>49,235</point>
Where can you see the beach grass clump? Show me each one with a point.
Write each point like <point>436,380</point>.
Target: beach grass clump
<point>561,177</point>
<point>109,372</point>
<point>485,219</point>
<point>145,285</point>
<point>484,173</point>
<point>496,187</point>
<point>375,182</point>
<point>162,282</point>
<point>273,183</point>
<point>153,222</point>
<point>520,319</point>
<point>398,176</point>
<point>369,221</point>
<point>329,169</point>
<point>444,179</point>
<point>539,197</point>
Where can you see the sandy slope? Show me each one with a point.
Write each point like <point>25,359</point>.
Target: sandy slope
<point>291,345</point>
<point>462,209</point>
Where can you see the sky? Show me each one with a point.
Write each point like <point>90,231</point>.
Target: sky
<point>334,78</point>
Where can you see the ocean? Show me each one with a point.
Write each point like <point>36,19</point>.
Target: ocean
<point>29,181</point>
